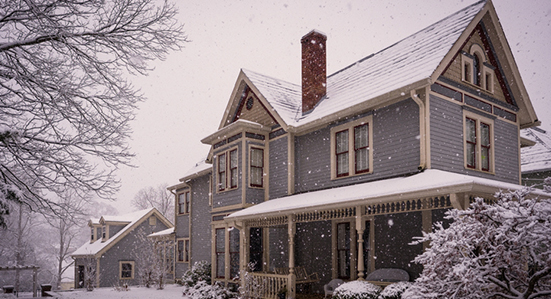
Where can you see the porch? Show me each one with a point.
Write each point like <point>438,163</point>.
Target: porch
<point>360,211</point>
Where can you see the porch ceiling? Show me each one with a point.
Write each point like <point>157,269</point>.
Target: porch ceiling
<point>431,182</point>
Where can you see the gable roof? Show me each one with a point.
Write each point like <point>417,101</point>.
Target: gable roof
<point>133,219</point>
<point>536,158</point>
<point>414,62</point>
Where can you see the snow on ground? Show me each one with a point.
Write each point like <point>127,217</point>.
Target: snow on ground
<point>169,292</point>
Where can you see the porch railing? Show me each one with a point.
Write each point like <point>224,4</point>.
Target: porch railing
<point>265,285</point>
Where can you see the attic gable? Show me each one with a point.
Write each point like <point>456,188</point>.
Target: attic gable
<point>262,100</point>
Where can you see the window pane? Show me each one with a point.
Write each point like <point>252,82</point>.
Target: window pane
<point>234,252</point>
<point>485,134</point>
<point>361,136</point>
<point>233,159</point>
<point>220,252</point>
<point>220,239</point>
<point>342,164</point>
<point>470,130</point>
<point>341,139</point>
<point>180,250</point>
<point>485,158</point>
<point>222,172</point>
<point>256,176</point>
<point>471,155</point>
<point>257,157</point>
<point>362,159</point>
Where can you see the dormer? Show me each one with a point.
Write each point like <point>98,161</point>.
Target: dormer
<point>95,229</point>
<point>110,226</point>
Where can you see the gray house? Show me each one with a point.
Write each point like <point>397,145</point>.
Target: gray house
<point>111,257</point>
<point>332,178</point>
<point>535,157</point>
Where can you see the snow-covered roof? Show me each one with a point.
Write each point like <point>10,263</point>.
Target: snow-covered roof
<point>197,169</point>
<point>431,182</point>
<point>97,246</point>
<point>166,232</point>
<point>404,63</point>
<point>538,157</point>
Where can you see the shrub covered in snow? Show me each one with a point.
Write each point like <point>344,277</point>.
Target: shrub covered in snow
<point>489,250</point>
<point>203,290</point>
<point>200,271</point>
<point>357,290</point>
<point>395,290</point>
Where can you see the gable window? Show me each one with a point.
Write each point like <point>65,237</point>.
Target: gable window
<point>257,167</point>
<point>228,170</point>
<point>478,147</point>
<point>476,70</point>
<point>126,270</point>
<point>352,148</point>
<point>184,200</point>
<point>183,250</point>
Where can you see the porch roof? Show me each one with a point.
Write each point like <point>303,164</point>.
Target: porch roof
<point>431,182</point>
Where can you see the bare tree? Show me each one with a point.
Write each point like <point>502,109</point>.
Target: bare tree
<point>66,227</point>
<point>155,197</point>
<point>65,101</point>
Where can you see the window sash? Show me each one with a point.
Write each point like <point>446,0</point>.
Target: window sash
<point>470,140</point>
<point>343,250</point>
<point>220,252</point>
<point>222,172</point>
<point>361,148</point>
<point>233,169</point>
<point>184,200</point>
<point>180,250</point>
<point>257,167</point>
<point>186,250</point>
<point>234,252</point>
<point>341,152</point>
<point>485,146</point>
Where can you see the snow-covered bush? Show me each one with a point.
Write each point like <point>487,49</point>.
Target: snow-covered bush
<point>200,271</point>
<point>203,290</point>
<point>395,290</point>
<point>357,290</point>
<point>489,250</point>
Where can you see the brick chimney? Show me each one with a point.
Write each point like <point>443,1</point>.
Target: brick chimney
<point>314,70</point>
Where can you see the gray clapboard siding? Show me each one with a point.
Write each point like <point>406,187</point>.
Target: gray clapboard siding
<point>278,167</point>
<point>395,149</point>
<point>446,133</point>
<point>125,250</point>
<point>200,222</point>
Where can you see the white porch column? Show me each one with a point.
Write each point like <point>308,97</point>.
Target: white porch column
<point>291,228</point>
<point>243,251</point>
<point>360,228</point>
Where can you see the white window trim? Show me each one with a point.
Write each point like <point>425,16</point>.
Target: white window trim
<point>478,118</point>
<point>351,157</point>
<point>133,269</point>
<point>187,207</point>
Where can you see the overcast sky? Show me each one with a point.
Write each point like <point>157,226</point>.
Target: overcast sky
<point>188,92</point>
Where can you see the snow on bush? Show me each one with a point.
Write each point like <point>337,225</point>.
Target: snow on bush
<point>500,250</point>
<point>395,290</point>
<point>203,290</point>
<point>357,290</point>
<point>200,271</point>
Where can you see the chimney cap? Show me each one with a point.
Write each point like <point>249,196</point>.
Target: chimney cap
<point>314,32</point>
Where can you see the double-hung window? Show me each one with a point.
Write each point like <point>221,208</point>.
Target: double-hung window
<point>227,165</point>
<point>126,269</point>
<point>352,148</point>
<point>478,146</point>
<point>183,250</point>
<point>184,200</point>
<point>257,167</point>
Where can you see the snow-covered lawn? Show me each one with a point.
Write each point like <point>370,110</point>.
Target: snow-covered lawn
<point>169,292</point>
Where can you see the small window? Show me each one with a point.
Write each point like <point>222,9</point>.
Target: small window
<point>152,220</point>
<point>92,234</point>
<point>351,148</point>
<point>184,202</point>
<point>126,269</point>
<point>103,231</point>
<point>257,167</point>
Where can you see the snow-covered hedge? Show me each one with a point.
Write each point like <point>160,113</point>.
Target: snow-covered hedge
<point>200,271</point>
<point>395,290</point>
<point>357,290</point>
<point>203,290</point>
